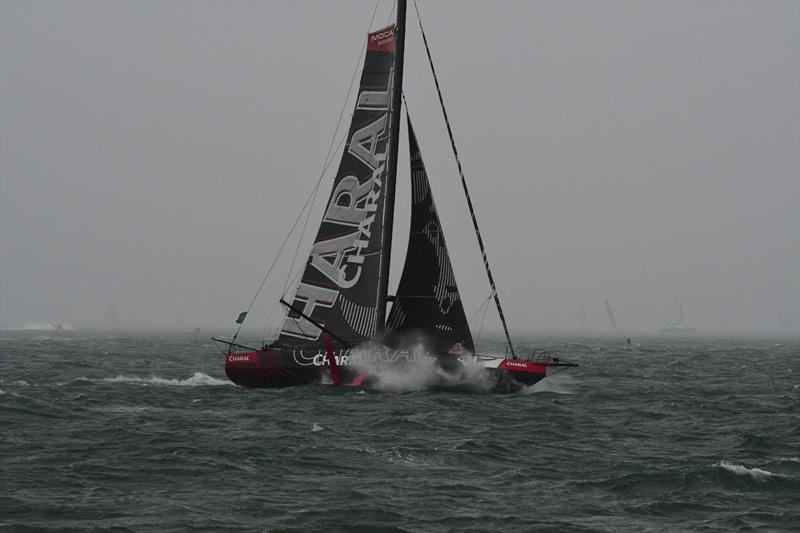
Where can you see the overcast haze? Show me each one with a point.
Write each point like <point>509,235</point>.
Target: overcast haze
<point>154,154</point>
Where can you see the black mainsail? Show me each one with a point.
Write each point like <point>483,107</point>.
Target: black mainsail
<point>427,306</point>
<point>342,287</point>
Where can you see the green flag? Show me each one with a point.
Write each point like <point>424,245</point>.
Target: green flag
<point>241,317</point>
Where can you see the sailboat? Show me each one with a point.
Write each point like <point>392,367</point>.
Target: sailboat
<point>679,326</point>
<point>580,319</point>
<point>611,316</point>
<point>341,316</point>
<point>112,317</point>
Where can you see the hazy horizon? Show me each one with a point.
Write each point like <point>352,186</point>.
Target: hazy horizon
<point>154,155</point>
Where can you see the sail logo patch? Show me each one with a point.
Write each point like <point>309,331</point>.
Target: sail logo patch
<point>382,37</point>
<point>239,358</point>
<point>361,355</point>
<point>382,40</point>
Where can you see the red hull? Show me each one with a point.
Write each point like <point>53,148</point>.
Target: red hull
<point>278,369</point>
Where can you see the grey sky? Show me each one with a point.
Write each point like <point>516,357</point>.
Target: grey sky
<point>155,153</point>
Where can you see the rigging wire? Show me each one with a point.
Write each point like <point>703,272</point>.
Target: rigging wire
<point>464,185</point>
<point>313,193</point>
<point>275,260</point>
<point>270,319</point>
<point>484,306</point>
<point>300,239</point>
<point>480,329</point>
<point>480,307</point>
<point>288,283</point>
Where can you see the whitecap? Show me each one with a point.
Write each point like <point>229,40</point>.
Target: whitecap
<point>197,380</point>
<point>15,383</point>
<point>740,470</point>
<point>316,427</point>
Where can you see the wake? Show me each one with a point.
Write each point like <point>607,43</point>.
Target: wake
<point>199,379</point>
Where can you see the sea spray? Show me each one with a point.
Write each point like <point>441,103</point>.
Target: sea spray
<point>424,372</point>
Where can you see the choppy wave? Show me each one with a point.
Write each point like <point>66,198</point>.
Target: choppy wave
<point>199,379</point>
<point>149,439</point>
<point>15,383</point>
<point>741,470</point>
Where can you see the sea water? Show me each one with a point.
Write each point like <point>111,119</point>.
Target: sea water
<point>142,431</point>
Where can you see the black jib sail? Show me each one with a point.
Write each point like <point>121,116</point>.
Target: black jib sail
<point>340,288</point>
<point>427,306</point>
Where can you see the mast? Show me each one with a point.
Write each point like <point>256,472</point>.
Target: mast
<point>391,177</point>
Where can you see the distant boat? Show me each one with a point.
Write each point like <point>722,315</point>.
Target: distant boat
<point>112,317</point>
<point>338,315</point>
<point>611,315</point>
<point>580,320</point>
<point>679,326</point>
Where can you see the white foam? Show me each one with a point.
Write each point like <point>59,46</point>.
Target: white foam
<point>426,374</point>
<point>316,427</point>
<point>740,470</point>
<point>197,380</point>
